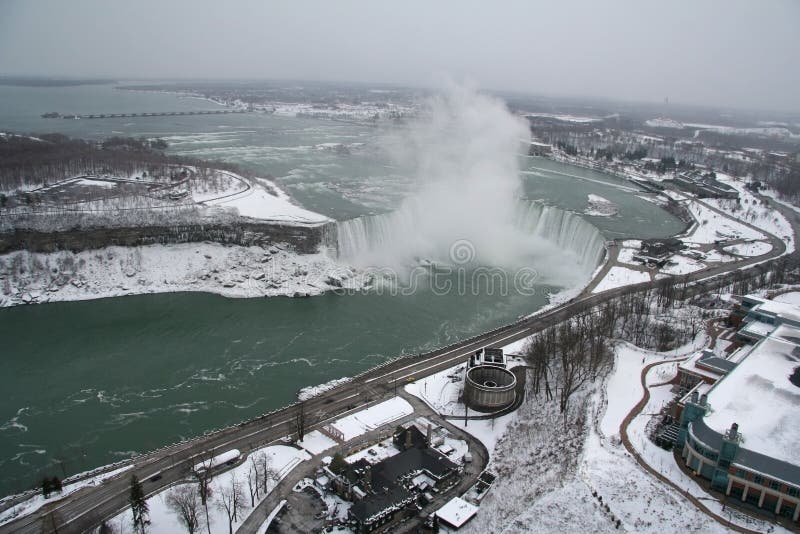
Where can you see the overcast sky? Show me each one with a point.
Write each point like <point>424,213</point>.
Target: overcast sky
<point>722,52</point>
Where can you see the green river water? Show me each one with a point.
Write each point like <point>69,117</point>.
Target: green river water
<point>91,382</point>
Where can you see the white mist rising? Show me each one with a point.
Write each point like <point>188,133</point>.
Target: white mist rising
<point>464,155</point>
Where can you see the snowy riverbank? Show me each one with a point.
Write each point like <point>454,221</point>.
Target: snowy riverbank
<point>230,271</point>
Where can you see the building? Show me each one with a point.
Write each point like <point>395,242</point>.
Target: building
<point>658,250</point>
<point>759,317</point>
<point>456,513</point>
<point>740,430</point>
<point>704,186</point>
<point>705,366</point>
<point>489,388</point>
<point>391,487</point>
<point>488,356</point>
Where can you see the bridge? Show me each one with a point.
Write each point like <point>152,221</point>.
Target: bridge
<point>157,470</point>
<point>155,114</point>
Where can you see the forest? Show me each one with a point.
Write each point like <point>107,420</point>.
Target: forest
<point>28,162</point>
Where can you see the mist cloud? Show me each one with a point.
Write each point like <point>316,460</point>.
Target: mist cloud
<point>463,152</point>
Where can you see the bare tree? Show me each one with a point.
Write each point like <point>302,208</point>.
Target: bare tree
<point>253,480</point>
<point>231,501</point>
<point>184,501</point>
<point>266,472</point>
<point>204,477</point>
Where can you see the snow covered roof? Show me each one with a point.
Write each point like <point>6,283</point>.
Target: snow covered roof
<point>707,364</point>
<point>759,396</point>
<point>784,310</point>
<point>456,512</point>
<point>757,328</point>
<point>792,297</point>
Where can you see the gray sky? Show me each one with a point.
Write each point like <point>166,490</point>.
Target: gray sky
<point>740,53</point>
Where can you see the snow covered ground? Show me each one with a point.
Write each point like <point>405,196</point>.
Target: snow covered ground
<point>662,122</point>
<point>679,264</point>
<point>371,418</point>
<point>626,256</point>
<point>264,200</point>
<point>620,276</point>
<point>208,267</point>
<point>756,248</point>
<point>34,503</point>
<point>566,118</point>
<point>163,521</point>
<point>441,391</point>
<point>752,210</point>
<point>713,226</point>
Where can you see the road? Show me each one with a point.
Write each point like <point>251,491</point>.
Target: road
<point>86,508</point>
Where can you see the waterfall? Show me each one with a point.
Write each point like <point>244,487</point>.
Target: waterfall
<point>567,230</point>
<point>393,237</point>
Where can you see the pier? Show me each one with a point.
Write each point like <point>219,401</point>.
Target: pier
<point>131,115</point>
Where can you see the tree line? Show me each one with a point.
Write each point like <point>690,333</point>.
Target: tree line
<point>28,161</point>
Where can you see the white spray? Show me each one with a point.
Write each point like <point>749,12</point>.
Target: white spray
<point>464,154</point>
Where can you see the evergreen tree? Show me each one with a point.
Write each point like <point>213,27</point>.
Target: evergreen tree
<point>47,487</point>
<point>139,506</point>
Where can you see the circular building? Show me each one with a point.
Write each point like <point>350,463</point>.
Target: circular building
<point>489,388</point>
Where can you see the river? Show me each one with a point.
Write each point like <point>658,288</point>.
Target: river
<point>86,383</point>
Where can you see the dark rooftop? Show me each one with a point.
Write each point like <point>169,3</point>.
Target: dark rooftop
<point>376,503</point>
<point>418,439</point>
<point>410,461</point>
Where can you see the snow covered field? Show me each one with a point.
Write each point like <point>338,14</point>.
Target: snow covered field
<point>713,226</point>
<point>753,211</point>
<point>441,391</point>
<point>620,276</point>
<point>264,200</point>
<point>756,248</point>
<point>163,521</point>
<point>679,264</point>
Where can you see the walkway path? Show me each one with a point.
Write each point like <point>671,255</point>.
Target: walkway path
<point>623,432</point>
